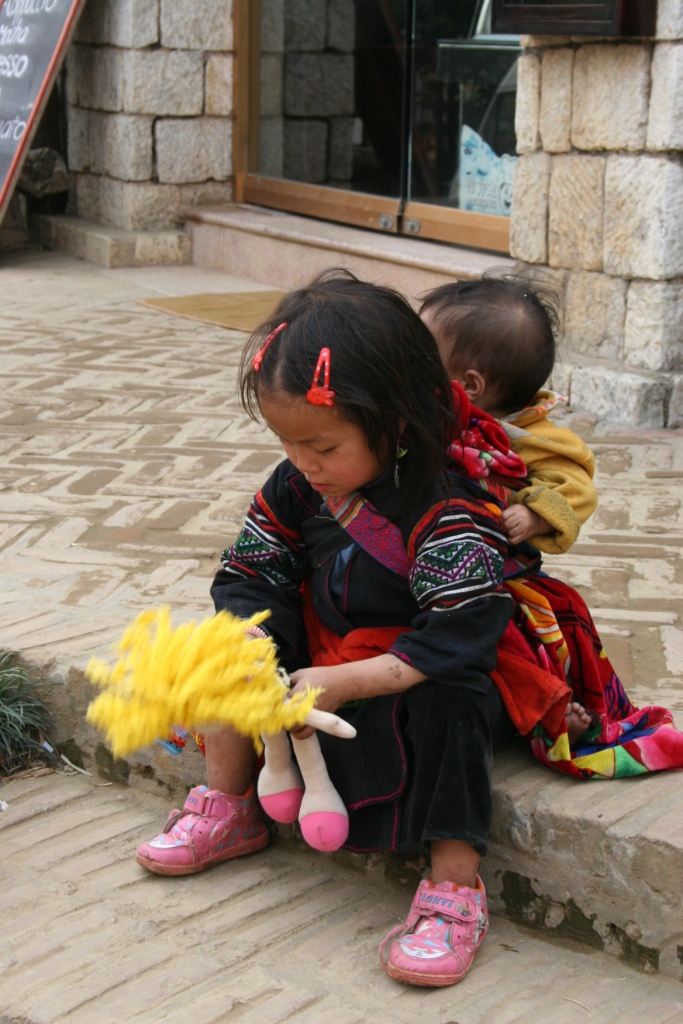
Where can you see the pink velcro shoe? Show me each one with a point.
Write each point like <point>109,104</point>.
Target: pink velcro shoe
<point>445,928</point>
<point>212,827</point>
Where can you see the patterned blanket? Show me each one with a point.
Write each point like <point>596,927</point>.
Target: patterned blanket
<point>561,656</point>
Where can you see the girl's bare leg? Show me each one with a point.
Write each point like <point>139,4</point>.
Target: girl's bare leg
<point>230,760</point>
<point>454,861</point>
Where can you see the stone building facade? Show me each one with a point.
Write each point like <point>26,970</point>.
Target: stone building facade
<point>149,85</point>
<point>306,90</point>
<point>598,188</point>
<point>598,200</point>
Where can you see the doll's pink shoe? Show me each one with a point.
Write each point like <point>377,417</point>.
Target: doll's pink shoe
<point>326,831</point>
<point>212,827</point>
<point>283,807</point>
<point>437,944</point>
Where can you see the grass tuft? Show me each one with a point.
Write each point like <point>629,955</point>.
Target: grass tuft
<point>24,719</point>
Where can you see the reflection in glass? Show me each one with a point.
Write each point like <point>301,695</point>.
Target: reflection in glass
<point>462,108</point>
<point>410,99</point>
<point>331,92</point>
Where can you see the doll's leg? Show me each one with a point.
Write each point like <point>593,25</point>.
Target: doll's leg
<point>280,786</point>
<point>323,817</point>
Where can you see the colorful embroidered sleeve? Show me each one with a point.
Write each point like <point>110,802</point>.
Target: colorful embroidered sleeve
<point>267,549</point>
<point>266,565</point>
<point>459,552</point>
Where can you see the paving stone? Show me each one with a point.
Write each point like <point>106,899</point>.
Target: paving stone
<point>94,385</point>
<point>529,217</point>
<point>272,26</point>
<point>94,77</point>
<point>120,945</point>
<point>576,211</point>
<point>341,23</point>
<point>203,25</point>
<point>528,104</point>
<point>163,82</point>
<point>611,87</point>
<point>305,25</point>
<point>125,23</point>
<point>643,217</point>
<point>556,100</point>
<point>595,312</point>
<point>218,85</point>
<point>669,19</point>
<point>193,149</point>
<point>665,124</point>
<point>653,331</point>
<point>121,145</point>
<point>318,84</point>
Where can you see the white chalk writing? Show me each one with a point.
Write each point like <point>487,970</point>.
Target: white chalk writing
<point>13,129</point>
<point>11,35</point>
<point>13,65</point>
<point>16,9</point>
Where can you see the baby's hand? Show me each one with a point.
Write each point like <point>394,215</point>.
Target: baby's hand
<point>520,523</point>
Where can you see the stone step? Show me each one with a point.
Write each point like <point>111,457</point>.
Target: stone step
<point>111,247</point>
<point>282,935</point>
<point>600,862</point>
<point>286,250</point>
<point>617,394</point>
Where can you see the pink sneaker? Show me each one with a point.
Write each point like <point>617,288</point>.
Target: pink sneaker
<point>437,944</point>
<point>211,827</point>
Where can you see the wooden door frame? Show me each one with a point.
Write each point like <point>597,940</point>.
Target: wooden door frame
<point>358,209</point>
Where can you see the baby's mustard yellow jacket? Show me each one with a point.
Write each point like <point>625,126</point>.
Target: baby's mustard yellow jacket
<point>561,468</point>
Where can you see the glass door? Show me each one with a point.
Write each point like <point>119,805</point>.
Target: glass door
<point>396,115</point>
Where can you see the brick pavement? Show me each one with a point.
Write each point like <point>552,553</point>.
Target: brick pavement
<point>126,467</point>
<point>284,935</point>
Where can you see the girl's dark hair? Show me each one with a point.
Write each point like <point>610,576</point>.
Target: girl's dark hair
<point>502,327</point>
<point>384,369</point>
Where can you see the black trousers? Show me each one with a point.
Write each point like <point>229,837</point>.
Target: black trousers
<point>420,767</point>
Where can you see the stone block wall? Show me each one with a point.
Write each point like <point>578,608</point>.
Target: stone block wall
<point>149,88</point>
<point>307,90</point>
<point>598,191</point>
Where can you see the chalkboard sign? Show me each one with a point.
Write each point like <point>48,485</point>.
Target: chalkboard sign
<point>581,17</point>
<point>34,35</point>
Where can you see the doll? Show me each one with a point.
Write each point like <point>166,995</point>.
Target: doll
<point>213,674</point>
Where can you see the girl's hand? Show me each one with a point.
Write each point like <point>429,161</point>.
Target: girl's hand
<point>335,690</point>
<point>373,677</point>
<point>520,523</point>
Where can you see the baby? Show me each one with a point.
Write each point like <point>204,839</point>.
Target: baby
<point>496,337</point>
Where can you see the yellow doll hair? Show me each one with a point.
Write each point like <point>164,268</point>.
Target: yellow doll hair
<point>200,674</point>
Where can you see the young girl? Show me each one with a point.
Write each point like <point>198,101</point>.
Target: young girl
<point>384,576</point>
<point>389,575</point>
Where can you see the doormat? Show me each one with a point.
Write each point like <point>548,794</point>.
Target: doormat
<point>239,311</point>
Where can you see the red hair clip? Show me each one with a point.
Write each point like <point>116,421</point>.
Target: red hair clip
<point>258,358</point>
<point>321,394</point>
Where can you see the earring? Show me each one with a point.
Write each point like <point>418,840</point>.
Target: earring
<point>400,452</point>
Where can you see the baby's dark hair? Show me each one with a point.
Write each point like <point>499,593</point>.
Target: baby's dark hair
<point>385,370</point>
<point>502,327</point>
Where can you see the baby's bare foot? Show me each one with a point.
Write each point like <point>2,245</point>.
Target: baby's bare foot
<point>578,721</point>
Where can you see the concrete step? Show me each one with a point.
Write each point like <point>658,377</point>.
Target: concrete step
<point>281,248</point>
<point>282,935</point>
<point>286,250</point>
<point>111,247</point>
<point>614,393</point>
